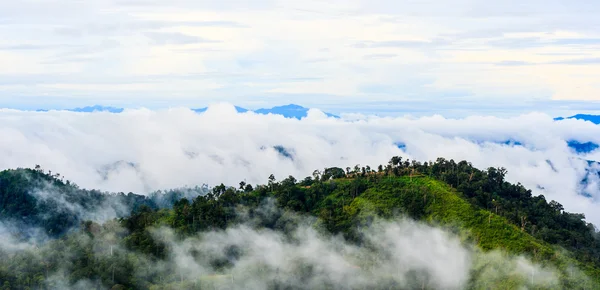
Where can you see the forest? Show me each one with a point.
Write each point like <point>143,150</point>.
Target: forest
<point>340,228</point>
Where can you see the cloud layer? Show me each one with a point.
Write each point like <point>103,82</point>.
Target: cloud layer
<point>396,254</point>
<point>143,150</point>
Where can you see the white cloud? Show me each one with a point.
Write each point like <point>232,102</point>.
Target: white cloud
<point>177,147</point>
<point>438,48</point>
<point>399,253</point>
<point>399,249</point>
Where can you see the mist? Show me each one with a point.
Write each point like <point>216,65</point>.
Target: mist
<point>142,150</point>
<point>295,254</point>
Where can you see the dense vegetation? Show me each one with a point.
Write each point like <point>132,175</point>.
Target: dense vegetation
<point>478,205</point>
<point>34,198</point>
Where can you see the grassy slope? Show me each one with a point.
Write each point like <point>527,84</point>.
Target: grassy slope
<point>438,204</point>
<point>445,206</point>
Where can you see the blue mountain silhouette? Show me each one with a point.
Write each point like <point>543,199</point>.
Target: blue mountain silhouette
<point>238,109</point>
<point>90,109</point>
<point>288,111</point>
<point>592,118</point>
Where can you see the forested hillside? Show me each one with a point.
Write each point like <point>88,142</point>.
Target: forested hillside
<point>341,221</point>
<point>43,200</point>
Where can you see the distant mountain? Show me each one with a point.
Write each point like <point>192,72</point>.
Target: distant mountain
<point>592,118</point>
<point>289,111</point>
<point>238,109</point>
<point>585,147</point>
<point>578,147</point>
<point>90,109</point>
<point>98,108</point>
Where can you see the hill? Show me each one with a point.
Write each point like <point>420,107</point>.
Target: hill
<point>247,237</point>
<point>32,198</point>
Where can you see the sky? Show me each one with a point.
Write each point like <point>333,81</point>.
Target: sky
<point>458,57</point>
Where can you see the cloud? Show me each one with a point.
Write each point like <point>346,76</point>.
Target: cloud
<point>17,238</point>
<point>163,38</point>
<point>395,43</point>
<point>177,147</point>
<point>457,45</point>
<point>580,61</point>
<point>513,63</point>
<point>379,56</point>
<point>578,41</point>
<point>307,259</point>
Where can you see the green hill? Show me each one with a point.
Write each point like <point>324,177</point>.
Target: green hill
<point>32,198</point>
<point>515,240</point>
<point>439,204</point>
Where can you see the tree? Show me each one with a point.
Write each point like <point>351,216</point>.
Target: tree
<point>496,205</point>
<point>290,181</point>
<point>272,182</point>
<point>316,175</point>
<point>557,207</point>
<point>333,172</point>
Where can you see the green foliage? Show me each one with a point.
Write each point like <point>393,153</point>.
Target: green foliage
<point>497,217</point>
<point>34,198</point>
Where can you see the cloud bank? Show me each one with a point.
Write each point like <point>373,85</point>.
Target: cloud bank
<point>400,254</point>
<point>143,150</point>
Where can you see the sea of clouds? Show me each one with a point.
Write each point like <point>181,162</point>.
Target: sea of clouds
<point>143,150</point>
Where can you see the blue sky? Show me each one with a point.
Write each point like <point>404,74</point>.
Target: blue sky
<point>459,56</point>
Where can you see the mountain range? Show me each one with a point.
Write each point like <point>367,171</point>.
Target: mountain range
<point>90,109</point>
<point>288,111</point>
